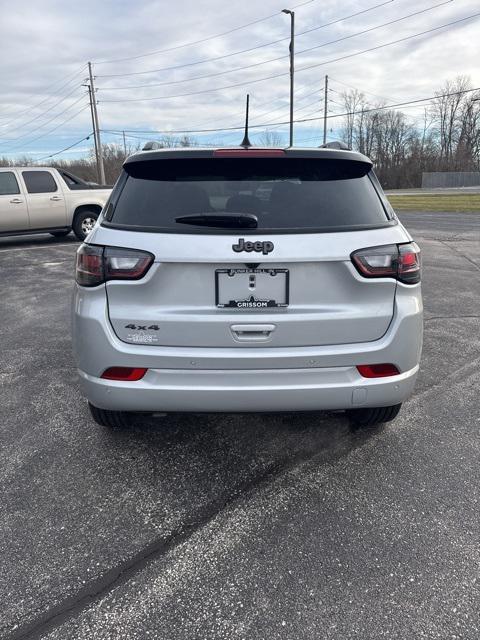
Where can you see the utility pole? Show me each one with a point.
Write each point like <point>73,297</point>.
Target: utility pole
<point>96,128</point>
<point>124,144</point>
<point>325,97</point>
<point>292,66</point>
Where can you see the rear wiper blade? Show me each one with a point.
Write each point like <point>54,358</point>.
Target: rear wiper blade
<point>221,220</point>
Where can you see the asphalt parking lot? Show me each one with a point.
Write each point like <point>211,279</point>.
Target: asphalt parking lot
<point>239,527</point>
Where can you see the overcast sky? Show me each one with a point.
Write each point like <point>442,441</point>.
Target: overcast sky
<point>45,46</point>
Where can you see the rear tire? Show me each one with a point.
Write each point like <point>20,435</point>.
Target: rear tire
<point>372,416</point>
<point>60,234</point>
<point>110,419</point>
<point>84,223</point>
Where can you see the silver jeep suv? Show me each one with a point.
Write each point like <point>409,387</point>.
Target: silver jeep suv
<point>244,280</point>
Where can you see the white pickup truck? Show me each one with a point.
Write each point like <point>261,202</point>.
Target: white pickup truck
<point>47,200</point>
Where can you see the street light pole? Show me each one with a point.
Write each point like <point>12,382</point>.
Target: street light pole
<point>292,66</point>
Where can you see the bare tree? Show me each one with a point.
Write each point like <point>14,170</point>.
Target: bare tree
<point>354,101</point>
<point>270,139</point>
<point>448,114</point>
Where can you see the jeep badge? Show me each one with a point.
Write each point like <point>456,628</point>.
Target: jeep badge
<point>264,247</point>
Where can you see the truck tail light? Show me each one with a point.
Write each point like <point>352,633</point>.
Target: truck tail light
<point>401,262</point>
<point>96,264</point>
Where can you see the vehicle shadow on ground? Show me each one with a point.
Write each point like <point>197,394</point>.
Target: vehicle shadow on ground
<point>244,439</point>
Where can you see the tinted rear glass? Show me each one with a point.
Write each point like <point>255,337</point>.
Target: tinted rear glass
<point>39,181</point>
<point>8,183</point>
<point>285,194</point>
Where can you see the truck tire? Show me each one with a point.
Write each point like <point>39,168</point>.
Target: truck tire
<point>83,223</point>
<point>60,234</point>
<point>110,419</point>
<point>371,416</point>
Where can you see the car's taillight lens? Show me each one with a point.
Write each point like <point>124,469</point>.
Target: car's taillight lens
<point>89,265</point>
<point>377,370</point>
<point>96,264</point>
<point>401,262</point>
<point>409,263</point>
<point>126,264</point>
<point>126,374</point>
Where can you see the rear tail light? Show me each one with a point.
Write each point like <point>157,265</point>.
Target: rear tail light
<point>96,265</point>
<point>89,265</point>
<point>409,263</point>
<point>401,262</point>
<point>377,370</point>
<point>126,264</point>
<point>127,374</point>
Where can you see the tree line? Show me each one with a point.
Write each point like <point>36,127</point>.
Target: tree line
<point>447,138</point>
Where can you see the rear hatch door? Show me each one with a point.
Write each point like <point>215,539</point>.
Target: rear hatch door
<point>287,282</point>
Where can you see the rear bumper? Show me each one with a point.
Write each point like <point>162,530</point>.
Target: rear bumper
<point>254,390</point>
<point>245,378</point>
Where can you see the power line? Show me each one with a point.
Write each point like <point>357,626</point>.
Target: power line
<point>386,107</point>
<point>307,68</point>
<point>47,133</point>
<point>66,148</point>
<point>214,145</point>
<point>235,53</point>
<point>25,135</point>
<point>31,108</point>
<point>259,64</point>
<point>206,39</point>
<point>300,120</point>
<point>285,106</point>
<point>296,110</point>
<point>335,102</point>
<point>304,94</point>
<point>25,124</point>
<point>239,113</point>
<point>369,93</point>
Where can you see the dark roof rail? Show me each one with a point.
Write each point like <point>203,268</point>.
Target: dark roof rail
<point>335,144</point>
<point>151,145</point>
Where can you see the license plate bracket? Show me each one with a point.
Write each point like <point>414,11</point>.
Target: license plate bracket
<point>251,288</point>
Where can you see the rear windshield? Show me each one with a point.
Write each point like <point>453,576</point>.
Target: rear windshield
<point>285,194</point>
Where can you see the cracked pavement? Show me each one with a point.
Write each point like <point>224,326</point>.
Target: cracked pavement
<point>229,526</point>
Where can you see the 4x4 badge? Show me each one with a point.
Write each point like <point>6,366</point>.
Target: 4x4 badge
<point>264,247</point>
